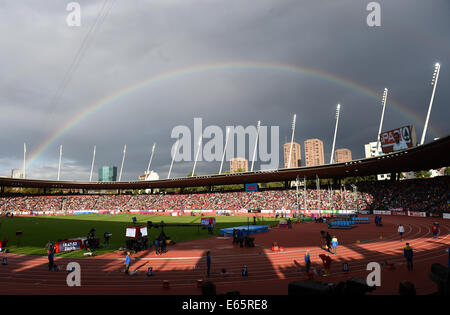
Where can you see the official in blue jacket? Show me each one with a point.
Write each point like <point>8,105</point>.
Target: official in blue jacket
<point>334,243</point>
<point>408,253</point>
<point>307,261</point>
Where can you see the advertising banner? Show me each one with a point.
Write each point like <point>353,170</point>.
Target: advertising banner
<point>416,214</point>
<point>67,246</point>
<point>398,139</point>
<point>382,212</point>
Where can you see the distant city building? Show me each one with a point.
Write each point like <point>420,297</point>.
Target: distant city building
<point>371,151</point>
<point>296,155</point>
<point>438,172</point>
<point>343,155</point>
<point>107,174</point>
<point>314,152</point>
<point>16,173</point>
<point>238,163</point>
<point>149,176</point>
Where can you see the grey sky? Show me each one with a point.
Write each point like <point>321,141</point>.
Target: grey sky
<point>142,39</point>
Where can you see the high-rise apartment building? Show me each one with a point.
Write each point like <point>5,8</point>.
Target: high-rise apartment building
<point>314,152</point>
<point>343,155</point>
<point>296,155</point>
<point>238,164</point>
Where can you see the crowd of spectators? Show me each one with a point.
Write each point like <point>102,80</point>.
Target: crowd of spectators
<point>430,195</point>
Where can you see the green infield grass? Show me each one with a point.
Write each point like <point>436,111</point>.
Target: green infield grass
<point>38,230</point>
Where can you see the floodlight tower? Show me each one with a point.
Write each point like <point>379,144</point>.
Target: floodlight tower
<point>224,150</point>
<point>59,164</point>
<point>385,93</point>
<point>256,144</point>
<point>196,156</point>
<point>151,157</point>
<point>434,81</point>
<point>123,160</point>
<point>173,158</point>
<point>92,165</point>
<point>292,140</point>
<point>338,109</point>
<point>24,159</point>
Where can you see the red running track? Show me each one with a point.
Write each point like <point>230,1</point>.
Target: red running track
<point>269,272</point>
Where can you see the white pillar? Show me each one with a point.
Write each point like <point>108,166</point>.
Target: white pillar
<point>318,189</point>
<point>92,165</point>
<point>256,144</point>
<point>151,157</point>
<point>292,140</point>
<point>224,150</point>
<point>305,192</point>
<point>434,82</point>
<point>338,108</point>
<point>173,158</point>
<point>385,93</point>
<point>196,156</point>
<point>123,160</point>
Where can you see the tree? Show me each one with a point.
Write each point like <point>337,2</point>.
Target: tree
<point>422,174</point>
<point>447,171</point>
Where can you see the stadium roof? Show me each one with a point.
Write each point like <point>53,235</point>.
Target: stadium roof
<point>432,155</point>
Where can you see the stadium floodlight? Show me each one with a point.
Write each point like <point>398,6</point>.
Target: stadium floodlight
<point>385,93</point>
<point>92,165</point>
<point>434,81</point>
<point>173,158</point>
<point>256,144</point>
<point>59,164</point>
<point>24,159</point>
<point>292,139</point>
<point>196,156</point>
<point>338,109</point>
<point>224,150</point>
<point>123,160</point>
<point>151,157</point>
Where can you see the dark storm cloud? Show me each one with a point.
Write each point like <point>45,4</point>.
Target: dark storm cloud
<point>142,39</point>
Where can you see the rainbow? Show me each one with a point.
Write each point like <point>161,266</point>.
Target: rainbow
<point>287,68</point>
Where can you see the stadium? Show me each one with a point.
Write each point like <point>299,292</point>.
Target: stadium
<point>352,203</point>
<point>414,203</point>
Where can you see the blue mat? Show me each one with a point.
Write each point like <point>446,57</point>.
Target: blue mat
<point>247,229</point>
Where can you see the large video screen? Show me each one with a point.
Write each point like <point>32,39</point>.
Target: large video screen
<point>398,139</point>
